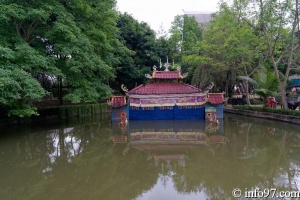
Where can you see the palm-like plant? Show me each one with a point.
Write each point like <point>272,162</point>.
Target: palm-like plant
<point>266,82</point>
<point>263,81</point>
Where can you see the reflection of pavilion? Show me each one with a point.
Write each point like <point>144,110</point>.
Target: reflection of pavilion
<point>166,134</point>
<point>168,158</point>
<point>167,139</point>
<point>162,137</point>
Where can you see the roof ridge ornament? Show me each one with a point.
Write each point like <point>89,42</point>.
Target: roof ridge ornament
<point>210,86</point>
<point>124,88</point>
<point>148,76</point>
<point>184,75</point>
<point>167,65</point>
<point>160,65</point>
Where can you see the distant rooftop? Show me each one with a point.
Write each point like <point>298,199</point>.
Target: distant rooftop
<point>203,18</point>
<point>197,12</point>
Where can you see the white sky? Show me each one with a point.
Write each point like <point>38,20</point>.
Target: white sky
<point>159,13</point>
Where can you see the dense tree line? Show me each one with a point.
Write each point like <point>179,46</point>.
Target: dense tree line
<point>79,50</point>
<point>249,42</point>
<point>68,44</point>
<point>82,50</point>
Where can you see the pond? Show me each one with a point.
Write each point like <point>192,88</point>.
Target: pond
<point>95,158</point>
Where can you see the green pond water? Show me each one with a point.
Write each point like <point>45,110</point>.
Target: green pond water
<point>94,158</point>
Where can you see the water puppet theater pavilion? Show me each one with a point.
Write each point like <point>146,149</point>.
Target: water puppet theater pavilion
<point>165,97</point>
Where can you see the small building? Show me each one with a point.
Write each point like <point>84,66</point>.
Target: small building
<point>294,83</point>
<point>295,80</point>
<point>166,97</point>
<point>118,106</point>
<point>117,101</point>
<point>215,102</point>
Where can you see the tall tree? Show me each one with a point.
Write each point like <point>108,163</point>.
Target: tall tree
<point>140,39</point>
<point>278,21</point>
<point>19,25</point>
<point>229,49</point>
<point>69,40</point>
<point>191,34</point>
<point>185,34</point>
<point>175,40</point>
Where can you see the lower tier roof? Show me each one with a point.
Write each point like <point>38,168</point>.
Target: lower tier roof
<point>164,88</point>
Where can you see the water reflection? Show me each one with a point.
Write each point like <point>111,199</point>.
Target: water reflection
<point>98,159</point>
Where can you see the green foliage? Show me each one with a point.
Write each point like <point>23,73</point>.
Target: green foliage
<point>72,41</point>
<point>277,23</point>
<point>143,52</point>
<point>17,88</point>
<point>23,111</point>
<point>185,35</point>
<point>191,34</point>
<point>266,80</point>
<point>229,49</point>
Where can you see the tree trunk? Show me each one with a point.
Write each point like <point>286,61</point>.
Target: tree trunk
<point>283,96</point>
<point>60,92</point>
<point>247,94</point>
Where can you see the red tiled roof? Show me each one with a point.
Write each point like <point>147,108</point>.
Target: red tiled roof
<point>215,98</point>
<point>164,88</point>
<point>166,75</point>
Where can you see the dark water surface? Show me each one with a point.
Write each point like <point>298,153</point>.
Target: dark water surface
<point>186,159</point>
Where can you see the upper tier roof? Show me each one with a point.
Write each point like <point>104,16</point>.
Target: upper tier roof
<point>167,75</point>
<point>164,88</point>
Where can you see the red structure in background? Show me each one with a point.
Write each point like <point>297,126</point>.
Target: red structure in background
<point>271,102</point>
<point>117,101</point>
<point>215,98</point>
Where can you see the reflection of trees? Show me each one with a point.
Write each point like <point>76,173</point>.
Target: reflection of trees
<point>78,162</point>
<point>73,163</point>
<point>285,168</point>
<point>266,164</point>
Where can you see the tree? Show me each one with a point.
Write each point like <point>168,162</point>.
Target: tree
<point>191,34</point>
<point>185,34</point>
<point>17,88</point>
<point>175,40</point>
<point>263,81</point>
<point>144,51</point>
<point>278,24</point>
<point>19,60</point>
<point>86,73</point>
<point>69,40</point>
<point>266,80</point>
<point>229,49</point>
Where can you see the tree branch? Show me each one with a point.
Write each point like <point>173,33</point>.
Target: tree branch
<point>17,27</point>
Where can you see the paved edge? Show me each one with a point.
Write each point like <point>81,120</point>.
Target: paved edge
<point>265,115</point>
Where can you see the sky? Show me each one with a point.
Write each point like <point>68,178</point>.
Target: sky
<point>159,13</point>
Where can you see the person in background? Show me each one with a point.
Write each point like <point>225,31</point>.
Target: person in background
<point>298,102</point>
